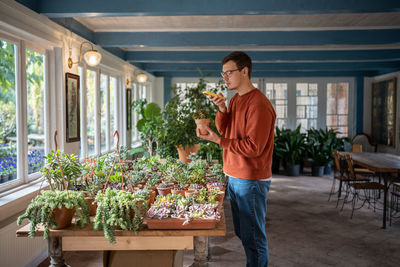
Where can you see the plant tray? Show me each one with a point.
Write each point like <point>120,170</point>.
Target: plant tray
<point>176,223</point>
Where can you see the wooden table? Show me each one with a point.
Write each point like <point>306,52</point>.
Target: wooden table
<point>75,238</point>
<point>382,164</point>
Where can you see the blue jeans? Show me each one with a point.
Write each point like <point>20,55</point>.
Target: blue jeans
<point>249,208</point>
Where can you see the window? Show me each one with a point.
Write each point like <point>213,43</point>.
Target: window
<point>22,112</point>
<point>35,109</point>
<point>113,111</point>
<point>306,105</point>
<point>90,111</point>
<point>8,116</point>
<point>337,99</point>
<point>103,112</point>
<point>277,94</point>
<point>135,118</point>
<point>98,139</point>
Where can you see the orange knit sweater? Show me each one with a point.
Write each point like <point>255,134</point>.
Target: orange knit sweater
<point>247,128</point>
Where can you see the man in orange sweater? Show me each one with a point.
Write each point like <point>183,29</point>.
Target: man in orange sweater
<point>247,127</point>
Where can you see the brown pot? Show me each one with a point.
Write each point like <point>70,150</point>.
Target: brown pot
<point>184,153</point>
<point>152,197</point>
<point>92,206</point>
<point>164,191</point>
<point>190,192</point>
<point>202,125</point>
<point>176,192</point>
<point>63,217</point>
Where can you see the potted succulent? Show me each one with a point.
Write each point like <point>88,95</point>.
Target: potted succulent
<point>164,188</point>
<point>202,120</point>
<point>51,207</point>
<point>178,212</point>
<point>118,208</point>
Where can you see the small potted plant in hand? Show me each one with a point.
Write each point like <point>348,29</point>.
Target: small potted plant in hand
<point>202,121</point>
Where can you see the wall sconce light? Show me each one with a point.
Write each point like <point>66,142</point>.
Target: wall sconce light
<point>141,77</point>
<point>91,56</point>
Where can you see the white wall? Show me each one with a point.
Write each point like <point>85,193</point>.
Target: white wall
<point>367,110</point>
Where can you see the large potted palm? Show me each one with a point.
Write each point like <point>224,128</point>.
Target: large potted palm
<point>291,148</point>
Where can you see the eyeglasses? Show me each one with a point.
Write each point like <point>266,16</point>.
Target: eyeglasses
<point>228,73</point>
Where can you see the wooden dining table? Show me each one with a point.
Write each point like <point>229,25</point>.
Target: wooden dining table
<point>386,166</point>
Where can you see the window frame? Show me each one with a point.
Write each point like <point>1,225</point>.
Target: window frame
<point>21,45</point>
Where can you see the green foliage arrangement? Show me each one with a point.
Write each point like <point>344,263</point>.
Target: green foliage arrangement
<point>71,167</point>
<point>118,208</point>
<point>321,143</point>
<point>41,209</point>
<point>151,125</point>
<point>291,145</point>
<point>179,113</point>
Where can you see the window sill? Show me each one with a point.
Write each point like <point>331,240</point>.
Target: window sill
<point>15,202</point>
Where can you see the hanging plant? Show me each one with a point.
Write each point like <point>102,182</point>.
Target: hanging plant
<point>42,207</point>
<point>117,208</point>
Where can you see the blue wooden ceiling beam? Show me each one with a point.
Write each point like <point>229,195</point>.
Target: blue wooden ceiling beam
<point>244,38</point>
<point>275,74</point>
<point>331,66</point>
<point>101,8</point>
<point>260,56</point>
<point>81,30</point>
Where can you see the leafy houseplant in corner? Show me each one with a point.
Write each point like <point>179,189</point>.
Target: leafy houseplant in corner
<point>45,207</point>
<point>292,150</point>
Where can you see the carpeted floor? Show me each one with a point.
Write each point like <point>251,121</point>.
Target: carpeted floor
<point>303,229</point>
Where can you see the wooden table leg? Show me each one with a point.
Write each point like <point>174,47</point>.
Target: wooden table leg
<point>200,251</point>
<point>55,252</point>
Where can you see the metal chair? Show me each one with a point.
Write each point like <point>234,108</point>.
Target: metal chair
<point>371,190</point>
<point>394,202</point>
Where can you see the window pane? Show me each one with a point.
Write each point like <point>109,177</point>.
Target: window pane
<point>307,105</point>
<point>8,127</point>
<point>36,121</point>
<point>90,110</point>
<point>103,111</point>
<point>337,107</point>
<point>277,94</point>
<point>113,114</point>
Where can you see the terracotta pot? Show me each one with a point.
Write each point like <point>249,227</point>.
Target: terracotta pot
<point>184,153</point>
<point>92,206</point>
<point>190,192</point>
<point>63,217</point>
<point>177,223</point>
<point>164,191</point>
<point>202,125</point>
<point>152,197</point>
<point>176,192</point>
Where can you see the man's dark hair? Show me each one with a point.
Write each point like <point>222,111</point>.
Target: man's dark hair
<point>241,59</point>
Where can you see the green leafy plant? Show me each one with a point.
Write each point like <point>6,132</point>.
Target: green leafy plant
<point>179,112</point>
<point>151,125</point>
<point>41,209</point>
<point>71,168</point>
<point>291,145</point>
<point>118,208</point>
<point>321,143</point>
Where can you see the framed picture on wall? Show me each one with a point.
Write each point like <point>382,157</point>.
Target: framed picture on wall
<point>72,108</point>
<point>128,108</point>
<point>383,121</point>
